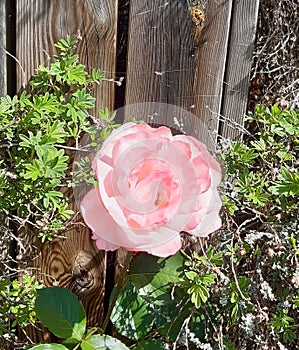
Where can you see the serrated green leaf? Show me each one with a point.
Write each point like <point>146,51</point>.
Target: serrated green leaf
<point>60,311</point>
<point>208,278</point>
<point>102,342</point>
<point>203,292</point>
<point>34,170</point>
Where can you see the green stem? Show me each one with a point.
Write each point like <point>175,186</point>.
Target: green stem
<point>120,285</point>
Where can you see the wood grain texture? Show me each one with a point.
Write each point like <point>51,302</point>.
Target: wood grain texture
<point>160,63</point>
<point>41,23</point>
<point>238,66</point>
<point>160,52</point>
<point>73,261</point>
<point>169,63</point>
<point>3,89</point>
<point>210,60</point>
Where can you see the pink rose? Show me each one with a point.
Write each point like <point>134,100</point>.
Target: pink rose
<point>152,185</point>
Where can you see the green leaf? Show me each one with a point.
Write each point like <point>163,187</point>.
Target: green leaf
<point>55,133</point>
<point>49,347</point>
<point>102,342</point>
<point>154,276</point>
<point>230,205</point>
<point>84,99</point>
<point>208,278</point>
<point>288,336</point>
<point>191,275</point>
<point>234,313</point>
<point>53,197</point>
<point>151,344</point>
<point>179,316</point>
<point>60,311</point>
<point>132,315</point>
<point>70,343</point>
<point>97,75</point>
<point>199,294</point>
<point>34,170</point>
<point>288,186</point>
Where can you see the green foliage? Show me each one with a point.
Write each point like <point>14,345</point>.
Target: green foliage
<point>132,315</point>
<point>102,342</point>
<point>17,302</point>
<point>160,282</point>
<point>39,132</point>
<point>197,279</point>
<point>237,294</point>
<point>151,344</point>
<point>49,347</point>
<point>153,277</point>
<point>284,324</point>
<point>264,169</point>
<point>261,198</point>
<point>60,311</point>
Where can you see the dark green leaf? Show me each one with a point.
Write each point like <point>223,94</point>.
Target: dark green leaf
<point>132,315</point>
<point>288,336</point>
<point>154,276</point>
<point>151,344</point>
<point>60,311</point>
<point>181,316</point>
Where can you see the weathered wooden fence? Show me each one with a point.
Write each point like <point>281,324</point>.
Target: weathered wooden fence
<point>163,57</point>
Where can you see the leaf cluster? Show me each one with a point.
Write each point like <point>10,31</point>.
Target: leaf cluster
<point>261,198</point>
<point>167,298</point>
<point>151,310</point>
<point>264,170</point>
<point>60,311</point>
<point>17,302</point>
<point>40,130</point>
<point>284,324</point>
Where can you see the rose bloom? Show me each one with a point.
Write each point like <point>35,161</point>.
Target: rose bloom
<point>152,186</point>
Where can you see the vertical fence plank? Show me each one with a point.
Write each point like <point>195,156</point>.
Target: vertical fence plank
<point>40,23</point>
<point>168,63</point>
<point>235,94</point>
<point>160,62</point>
<point>3,87</point>
<point>210,63</point>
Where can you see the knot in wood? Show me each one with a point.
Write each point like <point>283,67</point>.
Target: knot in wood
<point>82,270</point>
<point>197,16</point>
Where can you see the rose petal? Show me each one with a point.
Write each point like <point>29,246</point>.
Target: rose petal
<point>95,214</point>
<point>166,249</point>
<point>109,234</point>
<point>104,245</point>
